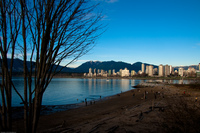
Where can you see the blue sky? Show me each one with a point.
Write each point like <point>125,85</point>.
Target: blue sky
<point>150,31</point>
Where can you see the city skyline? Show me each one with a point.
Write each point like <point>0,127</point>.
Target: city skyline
<point>155,32</point>
<point>160,71</point>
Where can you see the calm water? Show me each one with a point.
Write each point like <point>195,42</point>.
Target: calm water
<point>62,91</point>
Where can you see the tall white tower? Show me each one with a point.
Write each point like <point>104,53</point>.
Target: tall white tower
<point>199,66</point>
<point>160,70</point>
<point>167,70</point>
<point>142,68</point>
<point>147,69</point>
<point>150,71</point>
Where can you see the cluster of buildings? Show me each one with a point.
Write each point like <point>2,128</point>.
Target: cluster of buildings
<point>161,71</point>
<point>122,72</point>
<point>167,70</point>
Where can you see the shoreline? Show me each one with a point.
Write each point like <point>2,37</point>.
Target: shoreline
<point>121,112</point>
<point>18,111</point>
<point>118,77</point>
<point>51,109</point>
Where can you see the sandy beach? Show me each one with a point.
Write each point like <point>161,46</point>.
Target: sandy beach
<point>151,108</point>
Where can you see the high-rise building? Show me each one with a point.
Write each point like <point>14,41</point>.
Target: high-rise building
<point>109,72</point>
<point>142,68</point>
<point>199,66</point>
<point>147,69</point>
<point>90,72</point>
<point>170,69</point>
<point>120,72</point>
<point>125,73</point>
<point>133,73</point>
<point>150,71</point>
<point>167,70</point>
<point>180,72</point>
<point>102,72</point>
<point>191,72</point>
<point>95,74</point>
<point>114,72</point>
<point>155,71</point>
<point>160,70</point>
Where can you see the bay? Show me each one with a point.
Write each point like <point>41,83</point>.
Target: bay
<point>64,91</point>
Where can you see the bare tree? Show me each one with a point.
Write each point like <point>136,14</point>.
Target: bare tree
<point>9,31</point>
<point>51,32</point>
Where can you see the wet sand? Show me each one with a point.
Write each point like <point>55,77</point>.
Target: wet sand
<point>125,112</point>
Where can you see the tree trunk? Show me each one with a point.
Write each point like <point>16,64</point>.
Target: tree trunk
<point>3,110</point>
<point>9,108</point>
<point>30,106</point>
<point>36,109</point>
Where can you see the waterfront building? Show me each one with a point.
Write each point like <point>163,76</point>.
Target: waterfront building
<point>109,72</point>
<point>150,71</point>
<point>114,74</point>
<point>139,72</point>
<point>160,70</point>
<point>102,72</point>
<point>191,69</point>
<point>199,66</point>
<point>95,74</point>
<point>133,73</point>
<point>105,75</point>
<point>170,69</point>
<point>175,71</point>
<point>155,71</point>
<point>167,70</point>
<point>125,73</point>
<point>90,72</point>
<point>191,72</point>
<point>120,72</point>
<point>142,68</point>
<point>180,71</point>
<point>147,69</point>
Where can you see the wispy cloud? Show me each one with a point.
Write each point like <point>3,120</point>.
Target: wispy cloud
<point>108,1</point>
<point>105,17</point>
<point>111,1</point>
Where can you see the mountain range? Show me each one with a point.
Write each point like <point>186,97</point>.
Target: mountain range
<point>84,68</point>
<point>110,65</point>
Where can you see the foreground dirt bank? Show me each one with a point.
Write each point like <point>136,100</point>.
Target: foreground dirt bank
<point>132,111</point>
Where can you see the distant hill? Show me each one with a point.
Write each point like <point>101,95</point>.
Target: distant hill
<point>18,66</point>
